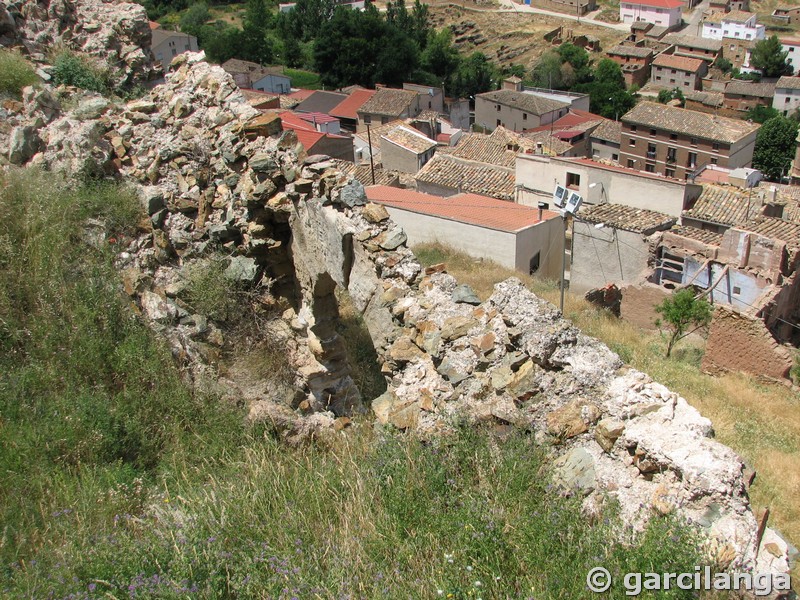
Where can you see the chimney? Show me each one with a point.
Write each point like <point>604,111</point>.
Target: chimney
<point>539,148</point>
<point>772,194</point>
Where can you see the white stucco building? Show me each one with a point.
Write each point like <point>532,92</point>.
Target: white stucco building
<point>665,13</point>
<point>736,24</point>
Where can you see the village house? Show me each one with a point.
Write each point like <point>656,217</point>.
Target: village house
<point>167,44</point>
<point>388,104</point>
<point>746,95</point>
<point>720,207</point>
<point>736,24</point>
<point>367,143</point>
<point>253,76</point>
<point>405,149</point>
<point>787,14</point>
<point>516,110</point>
<point>787,95</point>
<point>792,48</point>
<point>446,175</point>
<point>610,245</point>
<point>320,102</point>
<point>675,142</point>
<point>671,71</point>
<point>604,141</point>
<point>514,236</point>
<point>692,46</point>
<point>317,142</point>
<point>347,110</point>
<point>664,13</point>
<point>635,62</point>
<point>600,183</point>
<point>430,98</point>
<point>701,101</point>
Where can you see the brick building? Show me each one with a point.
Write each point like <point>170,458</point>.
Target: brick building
<point>670,71</point>
<point>675,141</point>
<point>692,46</point>
<point>745,95</point>
<point>635,62</point>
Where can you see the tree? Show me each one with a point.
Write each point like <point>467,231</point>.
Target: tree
<point>775,147</point>
<point>723,64</point>
<point>579,59</point>
<point>682,314</point>
<point>195,17</point>
<point>474,76</point>
<point>665,96</point>
<point>607,95</point>
<point>769,57</point>
<point>546,72</point>
<point>441,57</point>
<point>762,114</point>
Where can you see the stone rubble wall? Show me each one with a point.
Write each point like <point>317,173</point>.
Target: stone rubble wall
<point>114,32</point>
<point>215,176</point>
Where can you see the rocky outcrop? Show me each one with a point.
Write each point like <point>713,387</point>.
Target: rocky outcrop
<point>294,230</point>
<point>114,33</point>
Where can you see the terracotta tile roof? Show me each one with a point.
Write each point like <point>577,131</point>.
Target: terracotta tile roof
<point>641,25</point>
<point>788,83</point>
<point>689,122</point>
<point>409,138</point>
<point>307,135</point>
<point>618,216</point>
<point>724,205</point>
<point>300,94</point>
<point>681,63</point>
<point>256,99</point>
<point>530,103</point>
<point>655,3</point>
<point>389,102</point>
<point>376,132</point>
<point>287,102</point>
<point>480,147</point>
<point>713,99</point>
<point>750,88</point>
<point>551,144</point>
<point>427,115</point>
<point>153,25</point>
<point>693,41</point>
<point>253,69</point>
<point>710,238</point>
<point>610,131</point>
<point>737,16</point>
<point>347,108</point>
<point>473,209</point>
<point>320,102</point>
<point>449,172</point>
<point>574,119</point>
<point>776,229</point>
<point>628,50</point>
<point>315,117</point>
<point>363,173</point>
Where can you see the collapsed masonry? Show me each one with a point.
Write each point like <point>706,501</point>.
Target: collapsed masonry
<point>216,176</point>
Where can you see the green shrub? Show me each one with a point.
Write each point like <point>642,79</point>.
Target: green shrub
<point>15,73</point>
<point>72,69</point>
<point>208,292</point>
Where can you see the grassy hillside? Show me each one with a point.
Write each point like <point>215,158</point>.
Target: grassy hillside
<point>116,480</point>
<point>758,420</point>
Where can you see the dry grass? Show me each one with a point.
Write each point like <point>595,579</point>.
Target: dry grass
<point>760,421</point>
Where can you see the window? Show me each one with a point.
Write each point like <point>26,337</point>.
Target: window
<point>693,141</point>
<point>673,136</point>
<point>669,172</point>
<point>650,168</point>
<point>672,81</point>
<point>673,71</point>
<point>367,119</point>
<point>498,122</point>
<point>384,120</point>
<point>631,142</point>
<point>615,157</point>
<point>651,150</point>
<point>671,155</point>
<point>524,116</point>
<point>715,146</point>
<point>713,160</point>
<point>631,163</point>
<point>692,161</point>
<point>686,83</point>
<point>573,180</point>
<point>633,127</point>
<point>497,107</point>
<point>534,264</point>
<point>737,290</point>
<point>652,132</point>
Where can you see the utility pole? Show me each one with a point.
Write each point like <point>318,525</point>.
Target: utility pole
<point>371,161</point>
<point>563,263</point>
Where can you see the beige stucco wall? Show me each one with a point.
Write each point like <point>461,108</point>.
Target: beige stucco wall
<point>487,115</point>
<point>601,256</point>
<point>510,250</point>
<point>540,173</point>
<point>397,158</point>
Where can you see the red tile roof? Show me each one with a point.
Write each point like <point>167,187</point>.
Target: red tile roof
<point>306,133</point>
<point>464,208</point>
<point>571,119</point>
<point>657,3</point>
<point>154,25</point>
<point>347,108</point>
<point>301,94</point>
<point>681,63</point>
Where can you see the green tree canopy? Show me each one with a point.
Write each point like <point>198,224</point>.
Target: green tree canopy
<point>547,71</point>
<point>682,314</point>
<point>578,58</point>
<point>195,17</point>
<point>769,57</point>
<point>475,75</point>
<point>775,147</point>
<point>440,57</point>
<point>607,94</point>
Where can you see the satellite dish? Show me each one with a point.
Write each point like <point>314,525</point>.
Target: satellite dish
<point>560,196</point>
<point>573,204</point>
